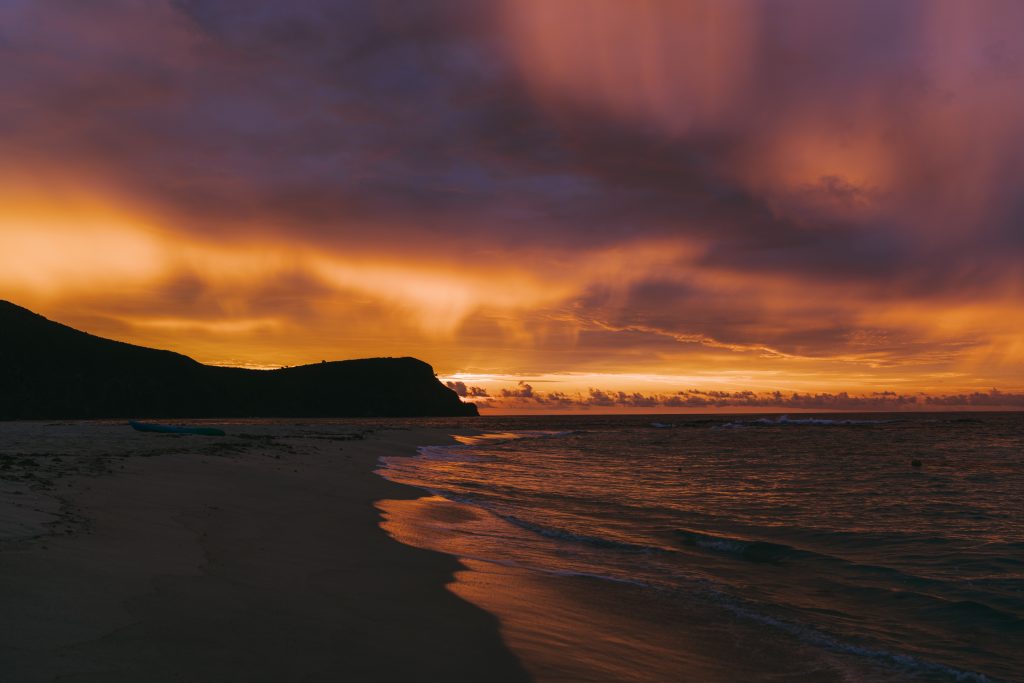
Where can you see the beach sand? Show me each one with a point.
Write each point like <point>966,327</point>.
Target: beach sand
<point>253,557</point>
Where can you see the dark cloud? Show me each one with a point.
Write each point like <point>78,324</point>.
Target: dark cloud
<point>991,399</point>
<point>328,117</point>
<point>869,152</point>
<point>465,391</point>
<point>823,402</point>
<point>522,390</point>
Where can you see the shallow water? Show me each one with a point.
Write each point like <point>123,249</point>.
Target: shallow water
<point>803,549</point>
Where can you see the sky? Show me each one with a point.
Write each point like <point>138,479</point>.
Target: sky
<point>559,204</point>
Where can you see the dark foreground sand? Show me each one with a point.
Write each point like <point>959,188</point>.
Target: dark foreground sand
<point>253,557</point>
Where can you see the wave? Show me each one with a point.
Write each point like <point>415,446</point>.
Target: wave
<point>763,551</point>
<point>755,551</point>
<point>778,553</point>
<point>595,541</point>
<point>785,420</point>
<point>813,636</point>
<point>545,531</point>
<point>496,438</point>
<point>691,423</point>
<point>469,447</point>
<point>760,551</point>
<point>449,454</point>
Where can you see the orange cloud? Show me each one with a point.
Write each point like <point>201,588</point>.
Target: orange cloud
<point>680,64</point>
<point>624,196</point>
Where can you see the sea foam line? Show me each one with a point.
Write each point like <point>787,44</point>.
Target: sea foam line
<point>785,420</point>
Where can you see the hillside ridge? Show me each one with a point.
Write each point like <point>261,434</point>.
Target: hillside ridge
<point>49,370</point>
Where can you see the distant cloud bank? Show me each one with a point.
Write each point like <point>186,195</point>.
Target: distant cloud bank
<point>523,396</point>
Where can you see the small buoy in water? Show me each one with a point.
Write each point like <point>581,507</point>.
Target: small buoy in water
<point>915,463</point>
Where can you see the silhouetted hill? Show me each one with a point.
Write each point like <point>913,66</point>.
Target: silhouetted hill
<point>49,370</point>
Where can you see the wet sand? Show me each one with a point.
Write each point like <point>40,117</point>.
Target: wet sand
<point>568,627</point>
<point>257,557</point>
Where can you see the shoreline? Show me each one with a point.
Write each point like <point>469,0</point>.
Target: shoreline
<point>256,556</point>
<point>584,619</point>
<point>567,626</point>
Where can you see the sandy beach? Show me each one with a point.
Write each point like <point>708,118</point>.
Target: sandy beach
<point>252,557</point>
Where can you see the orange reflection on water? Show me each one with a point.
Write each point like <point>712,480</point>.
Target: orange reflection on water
<point>566,627</point>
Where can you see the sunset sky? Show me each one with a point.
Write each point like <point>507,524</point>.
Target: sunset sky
<point>550,201</point>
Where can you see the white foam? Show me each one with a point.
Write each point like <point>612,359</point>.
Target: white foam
<point>785,420</point>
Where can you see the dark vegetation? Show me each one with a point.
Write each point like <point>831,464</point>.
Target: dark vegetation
<point>51,371</point>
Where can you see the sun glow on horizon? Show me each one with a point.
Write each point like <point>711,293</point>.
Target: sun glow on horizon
<point>129,279</point>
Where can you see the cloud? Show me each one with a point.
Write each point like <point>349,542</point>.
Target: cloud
<point>993,398</point>
<point>522,390</point>
<point>695,399</point>
<point>464,391</point>
<point>806,187</point>
<point>322,118</point>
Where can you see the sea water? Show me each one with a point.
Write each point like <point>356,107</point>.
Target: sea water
<point>826,547</point>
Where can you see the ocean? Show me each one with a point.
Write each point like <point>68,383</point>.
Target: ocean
<point>884,547</point>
